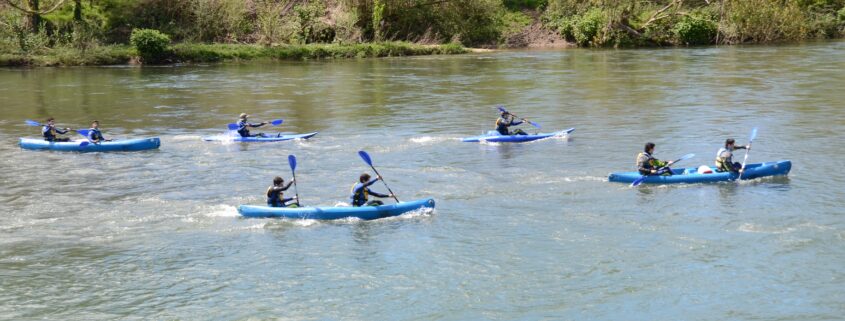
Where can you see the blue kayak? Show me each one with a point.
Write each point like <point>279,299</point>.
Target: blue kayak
<point>333,213</point>
<point>271,138</point>
<point>495,137</point>
<point>123,145</point>
<point>691,175</point>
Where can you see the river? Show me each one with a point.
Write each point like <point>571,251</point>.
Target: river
<point>526,231</point>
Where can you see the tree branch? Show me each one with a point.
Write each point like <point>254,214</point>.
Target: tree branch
<point>30,11</point>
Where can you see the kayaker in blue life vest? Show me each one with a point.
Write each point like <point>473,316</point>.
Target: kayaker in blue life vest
<point>648,165</point>
<point>361,192</point>
<point>49,132</point>
<point>244,125</point>
<point>724,157</point>
<point>94,134</point>
<point>506,120</point>
<point>276,196</point>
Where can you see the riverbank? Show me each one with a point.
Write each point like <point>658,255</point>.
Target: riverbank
<point>199,53</point>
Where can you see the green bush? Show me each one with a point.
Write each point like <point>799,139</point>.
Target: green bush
<point>692,30</point>
<point>586,29</point>
<point>151,44</point>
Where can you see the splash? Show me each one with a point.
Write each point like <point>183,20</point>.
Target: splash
<point>222,211</point>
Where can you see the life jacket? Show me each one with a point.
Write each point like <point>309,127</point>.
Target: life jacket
<point>651,163</point>
<point>49,133</point>
<point>359,196</point>
<point>242,128</point>
<point>502,124</point>
<point>724,163</point>
<point>95,134</point>
<point>274,199</point>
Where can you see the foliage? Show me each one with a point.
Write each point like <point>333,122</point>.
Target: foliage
<point>694,30</point>
<point>586,28</point>
<point>151,44</point>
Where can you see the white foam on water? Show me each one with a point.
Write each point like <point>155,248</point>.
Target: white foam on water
<point>222,210</point>
<point>186,137</point>
<point>753,228</point>
<point>428,140</point>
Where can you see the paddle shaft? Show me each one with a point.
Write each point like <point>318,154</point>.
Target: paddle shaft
<point>295,189</point>
<point>744,160</point>
<point>385,183</point>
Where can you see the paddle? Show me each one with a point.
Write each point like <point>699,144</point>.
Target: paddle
<point>753,135</point>
<point>80,131</point>
<point>369,161</point>
<point>276,122</point>
<point>292,162</point>
<point>642,178</point>
<point>502,109</point>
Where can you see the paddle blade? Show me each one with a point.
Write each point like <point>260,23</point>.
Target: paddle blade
<point>533,123</point>
<point>638,181</point>
<point>233,126</point>
<point>685,157</point>
<point>292,162</point>
<point>277,122</point>
<point>753,134</point>
<point>32,122</point>
<point>83,144</point>
<point>83,132</point>
<point>365,157</point>
<point>502,109</point>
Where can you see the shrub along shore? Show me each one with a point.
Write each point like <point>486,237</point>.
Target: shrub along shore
<point>78,32</point>
<point>199,53</point>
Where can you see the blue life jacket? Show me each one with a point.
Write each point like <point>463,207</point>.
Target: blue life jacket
<point>360,194</point>
<point>49,133</point>
<point>243,128</point>
<point>95,135</point>
<point>274,199</point>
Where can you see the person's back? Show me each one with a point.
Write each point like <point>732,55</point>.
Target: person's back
<point>648,165</point>
<point>361,192</point>
<point>724,157</point>
<point>504,122</point>
<point>275,193</point>
<point>49,132</point>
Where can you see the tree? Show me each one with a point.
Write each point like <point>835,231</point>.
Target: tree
<point>33,9</point>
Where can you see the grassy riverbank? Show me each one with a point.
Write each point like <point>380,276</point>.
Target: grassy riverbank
<point>195,53</point>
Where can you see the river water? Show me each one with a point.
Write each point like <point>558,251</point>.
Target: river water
<point>527,231</point>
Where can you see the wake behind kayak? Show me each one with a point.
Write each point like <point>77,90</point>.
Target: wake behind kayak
<point>495,137</point>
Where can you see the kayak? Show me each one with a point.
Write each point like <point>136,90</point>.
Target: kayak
<point>123,145</point>
<point>333,213</point>
<point>271,138</point>
<point>495,137</point>
<point>691,175</point>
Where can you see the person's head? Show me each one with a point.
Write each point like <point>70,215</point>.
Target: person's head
<point>278,180</point>
<point>95,124</point>
<point>649,147</point>
<point>364,178</point>
<point>50,121</point>
<point>244,116</point>
<point>505,114</point>
<point>729,143</point>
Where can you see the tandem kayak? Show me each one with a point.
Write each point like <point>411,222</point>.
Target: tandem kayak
<point>691,175</point>
<point>123,145</point>
<point>271,138</point>
<point>494,137</point>
<point>333,213</point>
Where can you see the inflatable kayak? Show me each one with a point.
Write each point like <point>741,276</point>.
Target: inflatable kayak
<point>123,145</point>
<point>494,137</point>
<point>270,138</point>
<point>691,175</point>
<point>332,213</point>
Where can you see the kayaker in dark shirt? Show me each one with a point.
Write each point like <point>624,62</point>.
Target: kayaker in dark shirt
<point>648,165</point>
<point>49,132</point>
<point>506,120</point>
<point>244,125</point>
<point>361,192</point>
<point>275,194</point>
<point>94,134</point>
<point>724,157</point>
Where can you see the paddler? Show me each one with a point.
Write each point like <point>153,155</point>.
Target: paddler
<point>244,125</point>
<point>276,196</point>
<point>361,192</point>
<point>49,132</point>
<point>724,157</point>
<point>648,165</point>
<point>94,134</point>
<point>506,120</point>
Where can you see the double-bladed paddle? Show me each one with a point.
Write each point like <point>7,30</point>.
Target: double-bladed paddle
<point>369,161</point>
<point>292,162</point>
<point>502,109</point>
<point>748,150</point>
<point>640,180</point>
<point>80,131</point>
<point>276,122</point>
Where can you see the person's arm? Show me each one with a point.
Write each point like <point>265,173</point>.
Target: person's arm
<point>256,125</point>
<point>288,186</point>
<point>516,122</point>
<point>284,201</point>
<point>378,194</point>
<point>62,131</point>
<point>371,182</point>
<point>741,147</point>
